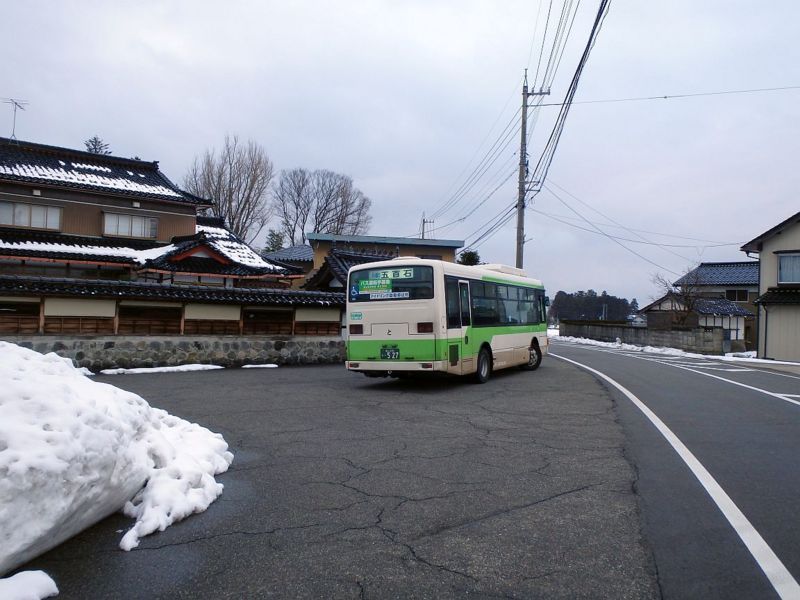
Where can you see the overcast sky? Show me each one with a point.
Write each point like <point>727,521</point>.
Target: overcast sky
<point>405,97</point>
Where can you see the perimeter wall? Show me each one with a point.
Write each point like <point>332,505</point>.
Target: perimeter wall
<point>702,340</point>
<point>116,351</point>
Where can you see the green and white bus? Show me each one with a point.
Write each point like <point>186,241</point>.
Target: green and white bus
<point>412,315</point>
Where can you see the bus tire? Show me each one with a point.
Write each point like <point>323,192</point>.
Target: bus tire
<point>484,370</point>
<point>535,358</point>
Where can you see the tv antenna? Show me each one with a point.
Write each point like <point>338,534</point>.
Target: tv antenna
<point>16,104</point>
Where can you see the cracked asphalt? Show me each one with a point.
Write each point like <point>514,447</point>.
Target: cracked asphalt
<point>348,487</point>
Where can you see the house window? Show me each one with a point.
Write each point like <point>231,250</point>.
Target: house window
<point>20,214</point>
<point>736,295</point>
<point>129,225</point>
<point>789,268</point>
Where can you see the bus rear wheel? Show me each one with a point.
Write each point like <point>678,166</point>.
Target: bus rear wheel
<point>484,370</point>
<point>535,358</point>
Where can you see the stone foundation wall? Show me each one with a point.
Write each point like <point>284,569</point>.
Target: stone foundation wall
<point>700,340</point>
<point>110,352</point>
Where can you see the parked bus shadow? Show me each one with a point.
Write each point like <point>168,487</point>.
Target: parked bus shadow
<point>431,383</point>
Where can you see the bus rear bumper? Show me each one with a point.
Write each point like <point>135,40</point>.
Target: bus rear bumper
<point>384,368</point>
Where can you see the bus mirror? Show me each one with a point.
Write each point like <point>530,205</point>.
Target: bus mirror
<point>547,300</point>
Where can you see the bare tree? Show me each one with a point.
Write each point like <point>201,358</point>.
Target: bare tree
<point>237,179</point>
<point>320,201</point>
<point>684,295</point>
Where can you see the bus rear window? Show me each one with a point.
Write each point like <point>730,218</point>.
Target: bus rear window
<point>397,283</point>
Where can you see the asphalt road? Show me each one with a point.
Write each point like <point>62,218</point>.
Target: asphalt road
<point>347,487</point>
<point>743,425</point>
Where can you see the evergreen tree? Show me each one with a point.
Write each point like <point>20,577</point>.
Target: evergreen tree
<point>96,145</point>
<point>274,241</point>
<point>469,257</point>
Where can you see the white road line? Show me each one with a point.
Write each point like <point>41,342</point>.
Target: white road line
<point>784,397</point>
<point>784,583</point>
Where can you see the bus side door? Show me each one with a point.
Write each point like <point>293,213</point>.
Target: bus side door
<point>454,335</point>
<point>467,352</point>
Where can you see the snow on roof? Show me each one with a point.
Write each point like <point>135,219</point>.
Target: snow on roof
<point>230,246</point>
<point>64,167</point>
<point>139,256</point>
<point>77,177</point>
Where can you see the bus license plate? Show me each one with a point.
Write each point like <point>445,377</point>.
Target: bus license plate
<point>390,353</point>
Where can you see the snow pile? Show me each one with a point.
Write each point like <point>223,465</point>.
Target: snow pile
<point>175,369</point>
<point>749,357</point>
<point>28,585</point>
<point>73,451</point>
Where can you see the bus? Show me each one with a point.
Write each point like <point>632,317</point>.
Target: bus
<point>413,315</point>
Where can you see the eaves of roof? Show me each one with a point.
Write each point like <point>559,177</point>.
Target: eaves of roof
<point>780,295</point>
<point>757,242</point>
<point>11,285</point>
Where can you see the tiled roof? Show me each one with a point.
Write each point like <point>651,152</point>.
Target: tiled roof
<point>722,273</point>
<point>720,306</point>
<point>780,295</point>
<point>203,265</point>
<point>230,246</point>
<point>44,244</point>
<point>243,261</point>
<point>73,169</point>
<point>341,260</point>
<point>301,253</point>
<point>338,263</point>
<point>381,240</point>
<point>704,306</point>
<point>25,286</point>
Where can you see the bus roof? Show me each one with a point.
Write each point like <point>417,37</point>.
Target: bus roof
<point>495,273</point>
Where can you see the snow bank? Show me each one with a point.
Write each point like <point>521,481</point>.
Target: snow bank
<point>749,357</point>
<point>73,451</point>
<point>175,369</point>
<point>266,366</point>
<point>28,585</point>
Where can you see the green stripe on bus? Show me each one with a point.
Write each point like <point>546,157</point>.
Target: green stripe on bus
<point>438,349</point>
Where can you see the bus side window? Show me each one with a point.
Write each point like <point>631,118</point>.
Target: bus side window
<point>451,299</point>
<point>465,319</point>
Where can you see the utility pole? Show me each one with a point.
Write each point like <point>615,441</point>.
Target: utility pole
<point>425,222</point>
<point>523,167</point>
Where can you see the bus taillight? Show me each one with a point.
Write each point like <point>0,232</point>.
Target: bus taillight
<point>356,329</point>
<point>425,327</point>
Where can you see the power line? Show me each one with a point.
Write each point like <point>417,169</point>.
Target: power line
<point>663,246</point>
<point>546,158</point>
<point>501,143</point>
<point>565,220</point>
<point>564,45</point>
<point>674,96</point>
<point>541,52</point>
<point>616,241</point>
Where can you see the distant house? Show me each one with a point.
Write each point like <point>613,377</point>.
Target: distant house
<point>779,289</point>
<point>734,281</point>
<point>668,312</point>
<point>323,243</point>
<point>100,244</point>
<point>332,275</point>
<point>300,258</point>
<point>326,258</point>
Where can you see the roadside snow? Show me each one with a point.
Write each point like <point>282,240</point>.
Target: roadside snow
<point>176,369</point>
<point>730,357</point>
<point>73,451</point>
<point>260,366</point>
<point>28,585</point>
